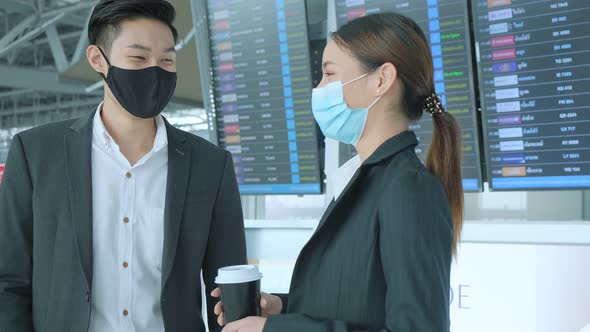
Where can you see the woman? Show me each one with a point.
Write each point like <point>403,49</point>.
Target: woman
<point>380,258</point>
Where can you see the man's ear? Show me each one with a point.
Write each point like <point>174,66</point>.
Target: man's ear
<point>96,60</point>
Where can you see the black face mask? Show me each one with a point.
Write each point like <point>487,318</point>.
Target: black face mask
<point>145,92</point>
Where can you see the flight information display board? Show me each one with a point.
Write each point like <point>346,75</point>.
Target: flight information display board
<point>446,26</point>
<point>262,94</point>
<point>534,65</point>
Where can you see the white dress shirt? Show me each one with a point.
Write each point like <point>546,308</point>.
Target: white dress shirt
<point>340,178</point>
<point>128,233</point>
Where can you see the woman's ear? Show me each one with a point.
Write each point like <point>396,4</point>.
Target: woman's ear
<point>387,76</point>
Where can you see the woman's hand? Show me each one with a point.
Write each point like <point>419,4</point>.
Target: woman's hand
<point>248,324</point>
<point>270,305</point>
<point>218,310</point>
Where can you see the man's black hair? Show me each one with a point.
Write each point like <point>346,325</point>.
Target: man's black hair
<point>105,23</point>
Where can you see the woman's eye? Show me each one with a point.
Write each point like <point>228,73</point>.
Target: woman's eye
<point>138,58</point>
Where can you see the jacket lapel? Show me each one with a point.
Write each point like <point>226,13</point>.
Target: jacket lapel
<point>78,154</point>
<point>179,156</point>
<point>387,150</point>
<point>335,202</point>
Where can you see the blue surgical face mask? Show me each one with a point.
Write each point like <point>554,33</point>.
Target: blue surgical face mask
<point>336,120</point>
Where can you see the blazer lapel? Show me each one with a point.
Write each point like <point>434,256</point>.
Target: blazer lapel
<point>78,155</point>
<point>387,150</point>
<point>179,156</point>
<point>323,222</point>
<point>337,202</point>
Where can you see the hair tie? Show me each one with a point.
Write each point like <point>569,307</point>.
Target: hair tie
<point>433,105</point>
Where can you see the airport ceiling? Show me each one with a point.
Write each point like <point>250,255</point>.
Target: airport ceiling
<point>42,53</point>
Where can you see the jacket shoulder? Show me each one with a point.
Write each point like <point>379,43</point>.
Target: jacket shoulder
<point>50,131</point>
<point>406,175</point>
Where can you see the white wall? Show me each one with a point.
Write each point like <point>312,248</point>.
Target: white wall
<point>494,287</point>
<point>526,206</point>
<point>522,267</point>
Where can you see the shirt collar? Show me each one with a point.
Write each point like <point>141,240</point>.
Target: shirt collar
<point>161,139</point>
<point>101,134</point>
<point>343,174</point>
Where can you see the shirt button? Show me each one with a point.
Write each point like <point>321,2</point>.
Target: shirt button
<point>125,264</point>
<point>125,312</point>
<point>128,175</point>
<point>126,220</point>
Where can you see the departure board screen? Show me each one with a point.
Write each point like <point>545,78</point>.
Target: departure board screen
<point>534,64</point>
<point>446,26</point>
<point>262,92</point>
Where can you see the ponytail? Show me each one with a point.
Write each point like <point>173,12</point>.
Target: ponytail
<point>444,161</point>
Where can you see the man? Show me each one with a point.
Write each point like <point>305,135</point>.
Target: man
<point>107,221</point>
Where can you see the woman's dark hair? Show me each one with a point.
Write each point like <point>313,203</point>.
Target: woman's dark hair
<point>105,22</point>
<point>393,38</point>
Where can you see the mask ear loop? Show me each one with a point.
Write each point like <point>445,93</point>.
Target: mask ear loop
<point>107,59</point>
<point>376,100</point>
<point>355,79</point>
<point>373,103</point>
<point>358,78</point>
<point>368,109</point>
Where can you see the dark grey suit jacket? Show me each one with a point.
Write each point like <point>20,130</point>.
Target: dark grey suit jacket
<point>46,229</point>
<point>380,259</point>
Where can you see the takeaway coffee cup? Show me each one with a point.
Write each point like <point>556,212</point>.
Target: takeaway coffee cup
<point>240,291</point>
